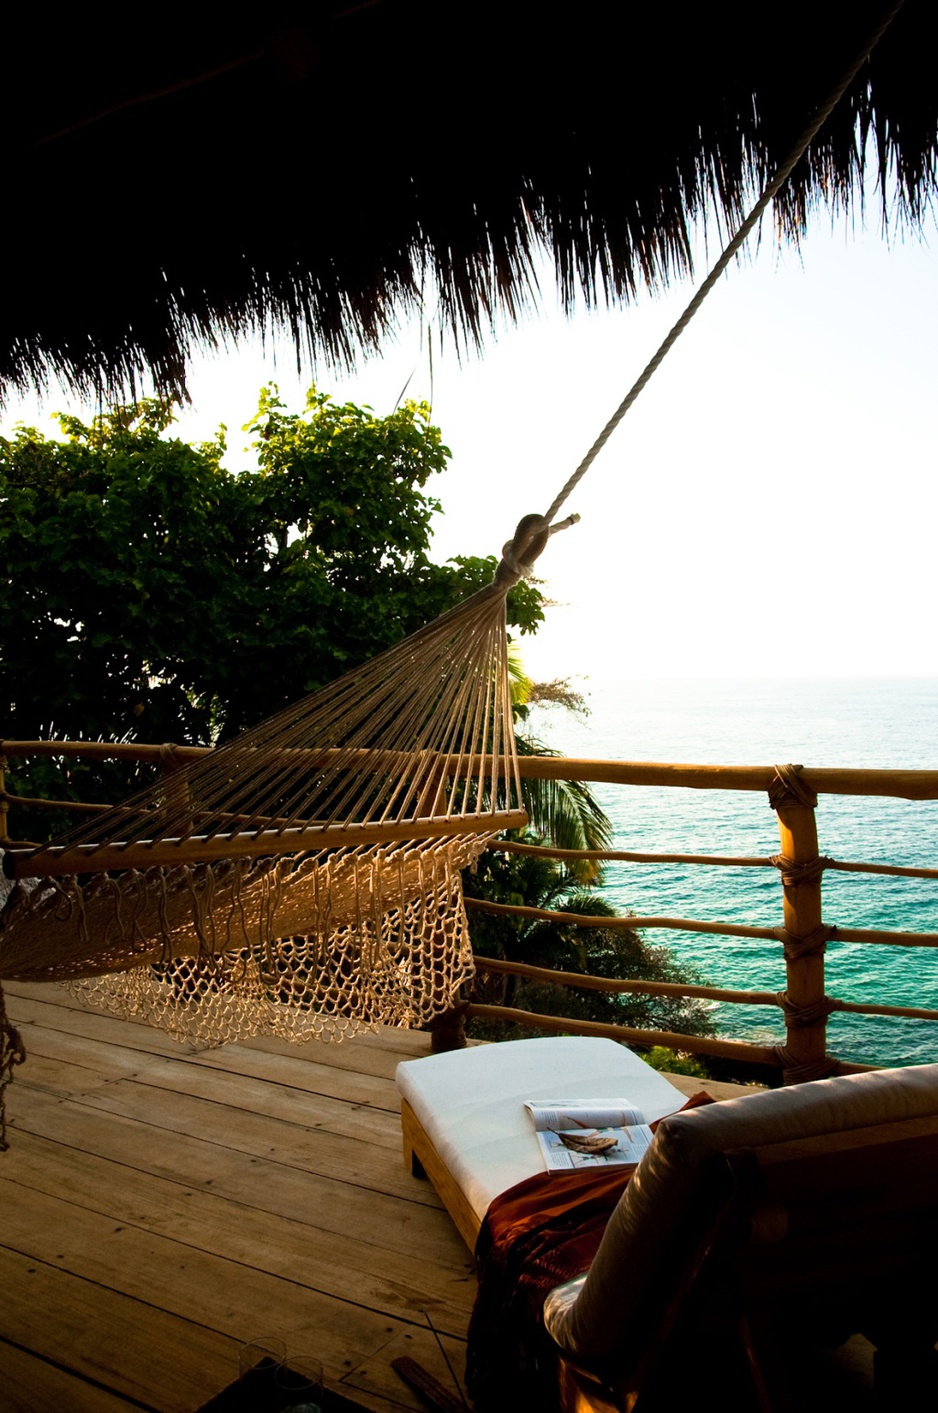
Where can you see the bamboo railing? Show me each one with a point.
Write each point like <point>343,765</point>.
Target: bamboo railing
<point>793,794</point>
<point>802,934</point>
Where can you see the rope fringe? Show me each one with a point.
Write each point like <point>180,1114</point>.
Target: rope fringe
<point>12,1053</point>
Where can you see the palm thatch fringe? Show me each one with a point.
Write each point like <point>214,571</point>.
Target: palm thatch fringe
<point>318,166</point>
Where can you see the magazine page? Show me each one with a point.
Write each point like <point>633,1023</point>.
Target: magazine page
<point>588,1133</point>
<point>583,1113</point>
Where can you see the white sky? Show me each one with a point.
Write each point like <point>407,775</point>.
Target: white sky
<point>767,508</point>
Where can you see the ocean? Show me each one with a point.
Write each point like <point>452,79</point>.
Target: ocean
<point>882,723</point>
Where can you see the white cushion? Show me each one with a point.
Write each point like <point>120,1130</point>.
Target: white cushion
<point>470,1102</point>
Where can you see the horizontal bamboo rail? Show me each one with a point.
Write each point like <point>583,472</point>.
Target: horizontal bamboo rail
<point>76,806</point>
<point>739,1050</point>
<point>857,1008</point>
<point>683,924</point>
<point>882,938</point>
<point>901,784</point>
<point>625,924</point>
<point>622,986</point>
<point>513,846</point>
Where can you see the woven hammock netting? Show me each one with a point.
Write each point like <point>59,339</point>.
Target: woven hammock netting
<point>304,879</point>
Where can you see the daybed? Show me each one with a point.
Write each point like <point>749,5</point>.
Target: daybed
<point>464,1120</point>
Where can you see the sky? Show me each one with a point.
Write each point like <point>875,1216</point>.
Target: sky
<point>767,507</point>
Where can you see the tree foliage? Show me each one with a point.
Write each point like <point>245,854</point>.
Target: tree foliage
<point>153,595</point>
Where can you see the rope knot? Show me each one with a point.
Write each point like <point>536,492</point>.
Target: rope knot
<point>803,1015</point>
<point>794,874</point>
<point>521,551</point>
<point>524,547</point>
<point>813,945</point>
<point>799,1072</point>
<point>788,787</point>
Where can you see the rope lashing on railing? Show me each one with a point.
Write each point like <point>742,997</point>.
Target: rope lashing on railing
<point>813,944</point>
<point>793,874</point>
<point>798,1015</point>
<point>796,1072</point>
<point>788,788</point>
<point>803,142</point>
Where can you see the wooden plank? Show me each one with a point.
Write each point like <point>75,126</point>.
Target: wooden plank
<point>157,1196</point>
<point>378,1127</point>
<point>182,1280</point>
<point>300,1069</point>
<point>356,1264</point>
<point>295,1070</point>
<point>109,1061</point>
<point>52,1006</point>
<point>60,1077</point>
<point>403,1043</point>
<point>230,1172</point>
<point>29,1382</point>
<point>295,1145</point>
<point>375,1375</point>
<point>160,1360</point>
<point>361,1122</point>
<point>356,1054</point>
<point>716,1088</point>
<point>47,1004</point>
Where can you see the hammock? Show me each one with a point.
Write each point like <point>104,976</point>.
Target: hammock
<point>305,878</point>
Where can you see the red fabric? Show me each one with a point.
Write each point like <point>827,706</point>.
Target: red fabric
<point>537,1235</point>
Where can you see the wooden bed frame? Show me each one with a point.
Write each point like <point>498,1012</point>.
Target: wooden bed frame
<point>424,1161</point>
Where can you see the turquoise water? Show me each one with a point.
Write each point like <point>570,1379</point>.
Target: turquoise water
<point>879,723</point>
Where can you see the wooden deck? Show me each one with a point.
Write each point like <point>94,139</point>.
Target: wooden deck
<point>160,1208</point>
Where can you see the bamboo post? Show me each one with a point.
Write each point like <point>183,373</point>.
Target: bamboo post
<point>177,804</point>
<point>804,1055</point>
<point>448,1031</point>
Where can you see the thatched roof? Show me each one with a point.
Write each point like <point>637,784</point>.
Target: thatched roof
<point>183,178</point>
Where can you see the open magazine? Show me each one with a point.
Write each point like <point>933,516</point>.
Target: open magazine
<point>588,1133</point>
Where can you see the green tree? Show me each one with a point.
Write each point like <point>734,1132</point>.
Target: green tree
<point>150,594</point>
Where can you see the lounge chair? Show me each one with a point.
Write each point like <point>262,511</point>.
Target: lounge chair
<point>803,1214</point>
<point>760,1225</point>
